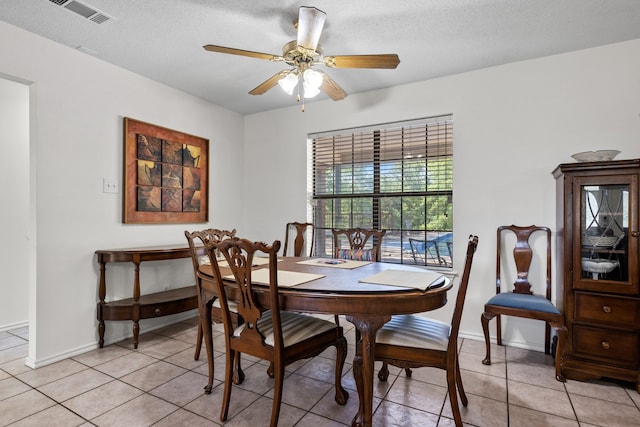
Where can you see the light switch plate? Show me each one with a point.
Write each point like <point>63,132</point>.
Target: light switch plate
<point>109,185</point>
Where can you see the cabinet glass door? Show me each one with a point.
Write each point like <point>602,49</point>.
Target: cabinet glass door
<point>606,220</point>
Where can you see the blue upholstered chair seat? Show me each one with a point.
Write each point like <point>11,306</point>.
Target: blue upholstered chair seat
<point>523,302</point>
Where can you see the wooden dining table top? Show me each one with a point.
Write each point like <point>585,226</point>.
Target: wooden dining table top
<point>340,290</point>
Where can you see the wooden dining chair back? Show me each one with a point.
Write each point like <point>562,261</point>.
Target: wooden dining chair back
<point>414,341</point>
<point>304,237</point>
<point>197,241</point>
<point>521,301</point>
<point>280,337</point>
<point>362,244</point>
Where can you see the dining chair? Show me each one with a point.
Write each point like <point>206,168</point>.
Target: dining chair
<point>413,341</point>
<point>197,241</point>
<point>521,301</point>
<point>304,236</point>
<point>363,244</point>
<point>281,337</point>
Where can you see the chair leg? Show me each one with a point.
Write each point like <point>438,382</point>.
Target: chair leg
<point>562,337</point>
<point>341,355</point>
<point>484,319</point>
<point>498,329</point>
<point>238,373</point>
<point>547,338</point>
<point>383,373</point>
<point>277,393</point>
<point>453,395</point>
<point>204,312</point>
<point>199,338</point>
<point>228,379</point>
<point>336,319</point>
<point>463,395</point>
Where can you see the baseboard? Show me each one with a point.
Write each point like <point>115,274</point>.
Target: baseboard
<point>38,363</point>
<point>516,344</point>
<point>10,326</point>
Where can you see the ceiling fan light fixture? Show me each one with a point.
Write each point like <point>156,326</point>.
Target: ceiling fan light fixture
<point>310,91</point>
<point>312,78</point>
<point>289,82</point>
<point>310,23</point>
<point>303,53</point>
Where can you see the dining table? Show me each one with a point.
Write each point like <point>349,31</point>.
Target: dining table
<point>347,288</point>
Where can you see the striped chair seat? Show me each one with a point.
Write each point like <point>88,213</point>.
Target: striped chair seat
<point>415,331</point>
<point>233,306</point>
<point>295,327</point>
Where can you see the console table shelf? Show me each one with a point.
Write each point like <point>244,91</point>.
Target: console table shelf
<point>142,306</point>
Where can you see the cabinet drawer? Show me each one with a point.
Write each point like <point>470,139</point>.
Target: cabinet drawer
<point>614,347</point>
<point>610,310</point>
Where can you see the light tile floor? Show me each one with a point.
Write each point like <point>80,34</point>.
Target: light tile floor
<point>161,385</point>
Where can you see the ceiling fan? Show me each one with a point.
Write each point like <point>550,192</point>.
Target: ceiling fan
<point>303,54</point>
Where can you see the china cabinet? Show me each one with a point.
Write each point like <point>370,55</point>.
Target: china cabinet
<point>598,273</point>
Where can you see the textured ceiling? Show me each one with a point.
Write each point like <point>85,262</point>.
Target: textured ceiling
<point>163,39</point>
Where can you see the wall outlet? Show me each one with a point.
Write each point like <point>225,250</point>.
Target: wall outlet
<point>109,185</point>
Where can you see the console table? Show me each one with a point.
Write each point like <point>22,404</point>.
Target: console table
<point>142,306</point>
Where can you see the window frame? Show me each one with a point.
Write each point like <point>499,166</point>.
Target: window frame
<point>369,157</point>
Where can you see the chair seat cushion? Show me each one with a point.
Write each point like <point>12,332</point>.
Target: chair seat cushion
<point>355,254</point>
<point>233,306</point>
<point>524,302</point>
<point>415,331</point>
<point>295,327</point>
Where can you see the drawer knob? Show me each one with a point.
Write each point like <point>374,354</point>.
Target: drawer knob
<point>606,309</point>
<point>605,345</point>
<point>158,312</point>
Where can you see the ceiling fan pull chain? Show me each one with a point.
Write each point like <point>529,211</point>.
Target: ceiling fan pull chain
<point>298,95</point>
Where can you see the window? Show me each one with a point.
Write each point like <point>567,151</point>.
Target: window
<point>397,177</point>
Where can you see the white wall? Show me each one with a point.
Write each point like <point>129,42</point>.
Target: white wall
<point>14,174</point>
<point>513,125</point>
<point>78,104</point>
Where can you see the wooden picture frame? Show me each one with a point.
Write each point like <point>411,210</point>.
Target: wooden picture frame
<point>166,175</point>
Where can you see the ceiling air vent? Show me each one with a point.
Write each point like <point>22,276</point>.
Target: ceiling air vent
<point>84,10</point>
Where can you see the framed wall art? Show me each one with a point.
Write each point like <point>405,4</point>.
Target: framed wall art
<point>165,175</point>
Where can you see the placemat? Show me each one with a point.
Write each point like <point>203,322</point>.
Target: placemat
<point>407,279</point>
<point>286,279</point>
<point>334,263</point>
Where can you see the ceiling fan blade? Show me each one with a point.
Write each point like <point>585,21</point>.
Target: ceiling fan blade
<point>269,83</point>
<point>331,88</point>
<point>310,23</point>
<point>249,53</point>
<point>390,60</point>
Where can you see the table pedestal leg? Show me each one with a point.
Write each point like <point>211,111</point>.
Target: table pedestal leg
<point>363,365</point>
